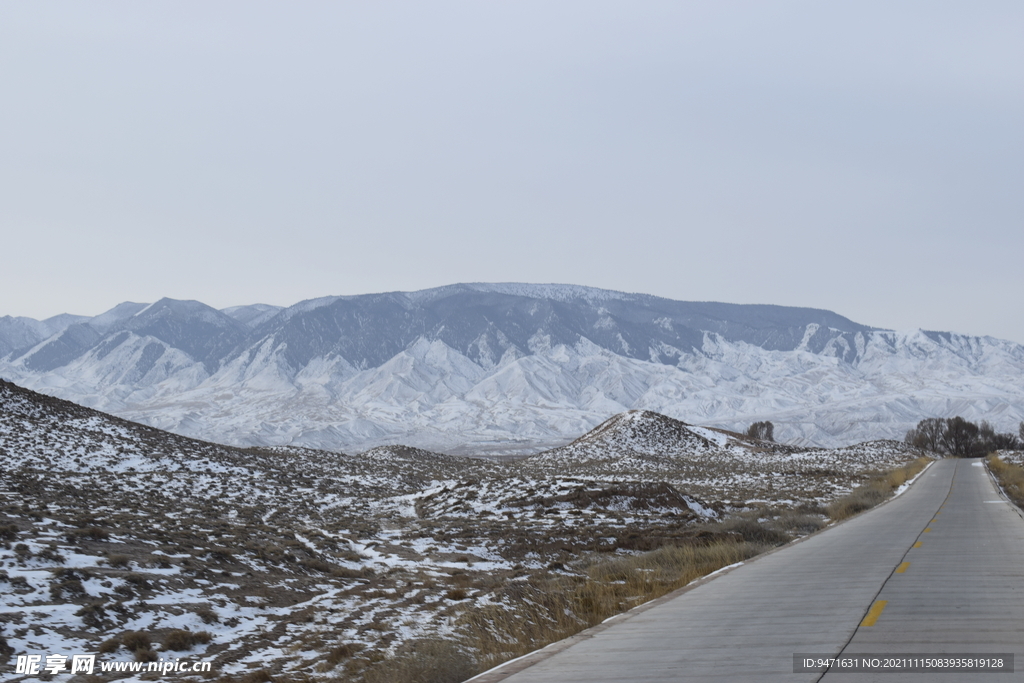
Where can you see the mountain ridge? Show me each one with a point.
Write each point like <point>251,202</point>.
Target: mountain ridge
<point>507,367</point>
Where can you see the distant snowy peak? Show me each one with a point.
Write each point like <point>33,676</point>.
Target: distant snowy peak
<point>184,310</point>
<point>507,368</point>
<point>484,322</point>
<point>552,292</point>
<point>104,322</point>
<point>22,333</point>
<point>19,333</point>
<point>253,315</point>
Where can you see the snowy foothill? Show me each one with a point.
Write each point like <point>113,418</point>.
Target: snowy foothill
<point>304,562</point>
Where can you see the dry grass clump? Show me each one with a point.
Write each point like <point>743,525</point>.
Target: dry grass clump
<point>51,554</point>
<point>92,614</point>
<point>545,609</point>
<point>92,533</point>
<point>456,594</point>
<point>138,642</point>
<point>656,573</point>
<point>752,530</point>
<point>138,581</point>
<point>67,584</point>
<point>109,645</point>
<point>181,641</point>
<point>1010,477</point>
<point>527,615</point>
<point>430,660</point>
<point>207,615</point>
<point>801,522</point>
<point>340,653</point>
<point>317,565</point>
<point>122,561</point>
<point>5,650</point>
<point>346,573</point>
<point>874,491</point>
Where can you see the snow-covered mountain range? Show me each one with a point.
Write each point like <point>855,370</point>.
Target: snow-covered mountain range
<point>505,368</point>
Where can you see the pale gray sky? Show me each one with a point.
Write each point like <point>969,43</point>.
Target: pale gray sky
<point>864,157</point>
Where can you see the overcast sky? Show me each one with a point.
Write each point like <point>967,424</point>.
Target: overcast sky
<point>863,157</point>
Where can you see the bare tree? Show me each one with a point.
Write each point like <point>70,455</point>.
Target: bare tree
<point>765,431</point>
<point>990,440</point>
<point>927,434</point>
<point>960,437</point>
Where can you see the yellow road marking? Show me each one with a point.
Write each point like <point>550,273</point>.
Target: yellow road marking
<point>902,568</point>
<point>919,544</point>
<point>928,530</point>
<point>874,613</point>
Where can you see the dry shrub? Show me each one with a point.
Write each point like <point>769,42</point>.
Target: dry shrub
<point>92,533</point>
<point>145,656</point>
<point>52,555</point>
<point>874,491</point>
<point>109,645</point>
<point>261,676</point>
<point>800,522</point>
<point>621,583</point>
<point>180,641</point>
<point>207,615</point>
<point>456,594</point>
<point>135,641</point>
<point>92,614</point>
<point>119,561</point>
<point>424,661</point>
<point>548,608</point>
<point>138,581</point>
<point>222,555</point>
<point>1010,477</point>
<point>67,584</point>
<point>316,565</point>
<point>341,653</point>
<point>5,650</point>
<point>346,573</point>
<point>862,498</point>
<point>752,531</point>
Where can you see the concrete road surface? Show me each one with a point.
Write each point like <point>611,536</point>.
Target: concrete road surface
<point>940,569</point>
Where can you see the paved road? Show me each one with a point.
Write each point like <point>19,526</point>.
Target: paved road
<point>946,557</point>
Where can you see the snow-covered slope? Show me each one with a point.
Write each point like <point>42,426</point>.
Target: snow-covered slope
<point>635,440</point>
<point>135,544</point>
<point>713,464</point>
<point>507,368</point>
